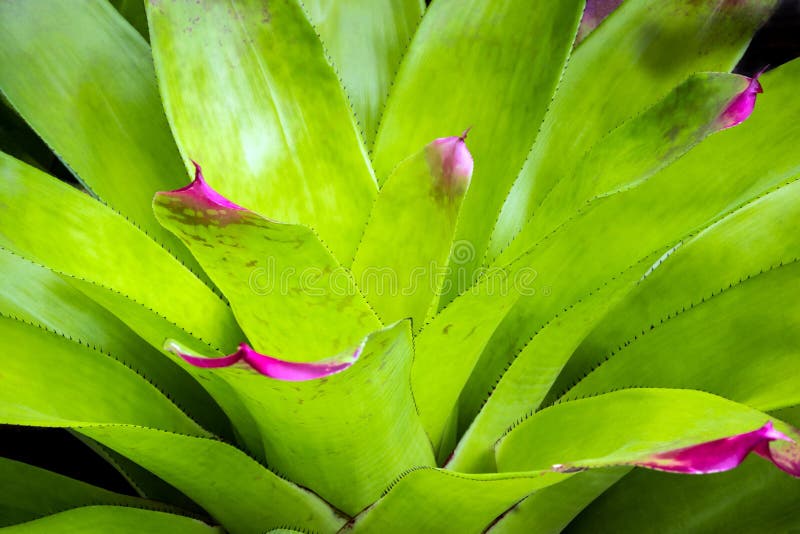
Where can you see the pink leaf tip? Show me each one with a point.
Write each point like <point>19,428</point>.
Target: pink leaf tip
<point>201,194</point>
<point>742,105</point>
<point>451,163</point>
<point>269,366</point>
<point>727,453</point>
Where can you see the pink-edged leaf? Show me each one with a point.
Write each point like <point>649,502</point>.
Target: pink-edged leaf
<point>201,195</point>
<point>725,454</point>
<point>742,104</point>
<point>408,240</point>
<point>271,273</point>
<point>269,366</point>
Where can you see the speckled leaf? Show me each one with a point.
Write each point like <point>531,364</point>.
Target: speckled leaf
<point>272,274</point>
<point>357,429</point>
<point>278,139</point>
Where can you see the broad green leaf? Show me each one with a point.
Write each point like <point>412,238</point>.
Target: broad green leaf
<point>447,350</point>
<point>609,235</point>
<point>84,80</point>
<point>38,296</point>
<point>145,483</point>
<point>552,508</point>
<point>49,380</point>
<point>436,500</point>
<point>626,427</point>
<point>635,151</point>
<point>529,377</point>
<point>478,63</point>
<point>349,434</point>
<point>272,274</point>
<point>731,328</point>
<point>724,158</point>
<point>741,245</point>
<point>118,519</point>
<point>630,62</point>
<point>365,40</point>
<point>28,492</point>
<point>278,139</point>
<point>753,498</point>
<point>156,329</point>
<point>741,343</point>
<point>402,261</point>
<point>70,233</point>
<point>237,491</point>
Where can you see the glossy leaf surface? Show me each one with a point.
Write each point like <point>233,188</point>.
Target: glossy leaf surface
<point>366,40</point>
<point>271,273</point>
<point>278,139</point>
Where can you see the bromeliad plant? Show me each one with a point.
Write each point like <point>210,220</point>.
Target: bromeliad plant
<point>423,346</point>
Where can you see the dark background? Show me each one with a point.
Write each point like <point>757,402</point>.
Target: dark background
<point>58,450</point>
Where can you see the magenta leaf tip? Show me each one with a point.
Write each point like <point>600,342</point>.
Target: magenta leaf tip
<point>199,193</point>
<point>742,105</point>
<point>267,365</point>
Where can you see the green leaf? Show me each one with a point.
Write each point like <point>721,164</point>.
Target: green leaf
<point>481,64</point>
<point>117,519</point>
<point>70,233</point>
<point>630,61</point>
<point>156,329</point>
<point>143,481</point>
<point>739,246</point>
<point>406,246</point>
<point>28,492</point>
<point>84,80</point>
<point>529,377</point>
<point>755,497</point>
<point>357,429</point>
<point>610,235</point>
<point>272,273</point>
<point>278,139</point>
<point>732,333</point>
<point>552,508</point>
<point>634,151</point>
<point>366,60</point>
<point>436,500</point>
<point>38,296</point>
<point>242,495</point>
<point>623,428</point>
<point>49,380</point>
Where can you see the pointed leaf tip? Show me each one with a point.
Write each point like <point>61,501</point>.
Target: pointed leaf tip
<point>726,453</point>
<point>742,105</point>
<point>451,163</point>
<point>200,194</point>
<point>269,366</point>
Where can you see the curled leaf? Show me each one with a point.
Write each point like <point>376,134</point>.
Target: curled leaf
<point>269,366</point>
<point>724,454</point>
<point>742,104</point>
<point>201,195</point>
<point>451,163</point>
